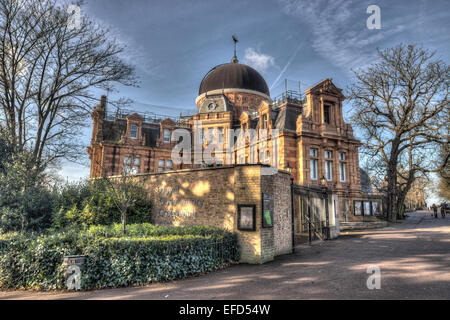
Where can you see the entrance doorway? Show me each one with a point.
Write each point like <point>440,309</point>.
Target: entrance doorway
<point>309,218</point>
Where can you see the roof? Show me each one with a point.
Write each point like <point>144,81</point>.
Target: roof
<point>114,130</point>
<point>233,76</point>
<point>287,119</point>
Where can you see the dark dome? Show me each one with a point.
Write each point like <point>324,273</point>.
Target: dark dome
<point>233,76</point>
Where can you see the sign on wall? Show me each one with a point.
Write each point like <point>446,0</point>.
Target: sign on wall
<point>267,210</point>
<point>247,217</point>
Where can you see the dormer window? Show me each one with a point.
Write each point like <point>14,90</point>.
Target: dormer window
<point>166,135</point>
<point>134,131</point>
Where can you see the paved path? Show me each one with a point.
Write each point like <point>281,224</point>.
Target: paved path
<point>414,258</point>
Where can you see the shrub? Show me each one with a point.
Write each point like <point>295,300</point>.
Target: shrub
<point>90,203</point>
<point>25,201</point>
<point>148,254</point>
<point>118,262</point>
<point>145,230</point>
<point>30,261</point>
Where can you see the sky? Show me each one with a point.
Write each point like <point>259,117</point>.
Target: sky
<point>174,43</point>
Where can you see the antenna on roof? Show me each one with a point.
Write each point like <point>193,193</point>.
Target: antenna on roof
<point>235,39</point>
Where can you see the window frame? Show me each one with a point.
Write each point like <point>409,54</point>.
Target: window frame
<point>165,138</point>
<point>134,131</point>
<point>329,170</point>
<point>327,114</point>
<point>343,165</point>
<point>314,164</point>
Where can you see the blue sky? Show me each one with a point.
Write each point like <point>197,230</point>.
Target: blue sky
<point>173,44</point>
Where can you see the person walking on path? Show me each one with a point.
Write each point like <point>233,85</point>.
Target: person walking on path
<point>435,209</point>
<point>443,207</point>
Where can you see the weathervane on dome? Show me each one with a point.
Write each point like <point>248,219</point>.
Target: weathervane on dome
<point>235,39</point>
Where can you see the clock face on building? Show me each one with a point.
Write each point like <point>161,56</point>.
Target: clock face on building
<point>212,106</point>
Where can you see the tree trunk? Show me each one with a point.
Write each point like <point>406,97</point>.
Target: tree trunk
<point>391,198</point>
<point>124,223</point>
<point>392,192</point>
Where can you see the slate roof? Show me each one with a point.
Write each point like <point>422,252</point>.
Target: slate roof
<point>287,119</point>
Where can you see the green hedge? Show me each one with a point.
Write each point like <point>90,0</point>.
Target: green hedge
<point>144,230</point>
<point>146,255</point>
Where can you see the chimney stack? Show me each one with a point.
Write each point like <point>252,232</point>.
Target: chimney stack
<point>103,102</point>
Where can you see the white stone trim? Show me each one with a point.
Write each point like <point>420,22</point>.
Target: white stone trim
<point>219,91</point>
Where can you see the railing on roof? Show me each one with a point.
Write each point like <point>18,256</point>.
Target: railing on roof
<point>148,117</point>
<point>289,96</point>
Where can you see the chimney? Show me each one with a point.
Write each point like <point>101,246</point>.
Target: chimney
<point>103,102</point>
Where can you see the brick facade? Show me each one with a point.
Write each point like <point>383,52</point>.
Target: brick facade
<point>211,197</point>
<point>314,142</point>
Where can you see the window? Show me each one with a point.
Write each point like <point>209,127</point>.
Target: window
<point>313,164</point>
<point>210,136</point>
<point>342,167</point>
<point>131,165</point>
<point>265,121</point>
<point>220,135</point>
<point>343,171</point>
<point>314,173</point>
<point>329,170</point>
<point>326,114</point>
<point>328,154</point>
<point>134,131</point>
<point>166,135</point>
<point>165,165</point>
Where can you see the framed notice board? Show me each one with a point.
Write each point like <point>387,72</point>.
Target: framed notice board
<point>267,210</point>
<point>247,217</point>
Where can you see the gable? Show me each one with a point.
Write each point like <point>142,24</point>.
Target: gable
<point>326,87</point>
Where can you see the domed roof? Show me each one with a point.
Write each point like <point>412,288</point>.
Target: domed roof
<point>233,76</point>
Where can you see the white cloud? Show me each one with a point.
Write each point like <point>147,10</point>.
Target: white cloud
<point>339,30</point>
<point>259,61</point>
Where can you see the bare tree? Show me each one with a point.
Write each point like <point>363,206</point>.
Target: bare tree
<point>401,108</point>
<point>444,172</point>
<point>125,190</point>
<point>48,69</point>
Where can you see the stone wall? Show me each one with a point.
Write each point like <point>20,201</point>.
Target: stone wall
<point>211,197</point>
